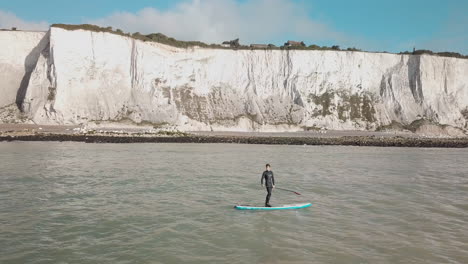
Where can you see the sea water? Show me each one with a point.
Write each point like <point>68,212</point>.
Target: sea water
<point>173,203</point>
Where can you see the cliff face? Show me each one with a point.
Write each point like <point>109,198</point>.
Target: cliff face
<point>84,76</point>
<point>19,51</point>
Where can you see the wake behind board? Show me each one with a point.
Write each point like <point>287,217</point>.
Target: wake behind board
<point>283,207</point>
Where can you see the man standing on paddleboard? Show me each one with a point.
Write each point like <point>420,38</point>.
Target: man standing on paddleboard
<point>269,182</point>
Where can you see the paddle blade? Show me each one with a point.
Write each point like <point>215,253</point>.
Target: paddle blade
<point>289,191</point>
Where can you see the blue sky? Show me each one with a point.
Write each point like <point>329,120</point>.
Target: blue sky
<point>368,24</point>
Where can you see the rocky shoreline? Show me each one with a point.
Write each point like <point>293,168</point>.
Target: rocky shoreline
<point>377,141</point>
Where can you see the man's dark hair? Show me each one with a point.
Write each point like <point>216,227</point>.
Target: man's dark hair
<point>268,165</point>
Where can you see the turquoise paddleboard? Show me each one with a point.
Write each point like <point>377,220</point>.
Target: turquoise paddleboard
<point>283,207</point>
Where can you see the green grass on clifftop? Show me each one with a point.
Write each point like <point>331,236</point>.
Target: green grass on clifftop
<point>161,38</point>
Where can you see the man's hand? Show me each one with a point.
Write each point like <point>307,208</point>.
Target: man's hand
<point>262,184</point>
<point>273,186</point>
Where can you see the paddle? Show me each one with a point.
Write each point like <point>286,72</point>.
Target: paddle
<point>288,190</point>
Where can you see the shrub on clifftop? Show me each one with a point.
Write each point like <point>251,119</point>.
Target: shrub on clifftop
<point>161,38</point>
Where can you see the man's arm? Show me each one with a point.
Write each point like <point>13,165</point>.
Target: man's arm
<point>263,176</point>
<point>273,179</point>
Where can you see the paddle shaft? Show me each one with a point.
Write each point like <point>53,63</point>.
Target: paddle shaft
<point>288,190</point>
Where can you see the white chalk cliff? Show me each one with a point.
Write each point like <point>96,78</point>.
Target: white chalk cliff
<point>82,76</point>
<point>19,52</point>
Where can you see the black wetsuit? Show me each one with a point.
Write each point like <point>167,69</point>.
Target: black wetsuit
<point>269,183</point>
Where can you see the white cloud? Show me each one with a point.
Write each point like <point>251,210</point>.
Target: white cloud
<point>9,20</point>
<point>213,21</point>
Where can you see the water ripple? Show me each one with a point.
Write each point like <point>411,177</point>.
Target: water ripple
<point>173,203</point>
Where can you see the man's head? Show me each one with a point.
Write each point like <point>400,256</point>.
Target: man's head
<point>268,167</point>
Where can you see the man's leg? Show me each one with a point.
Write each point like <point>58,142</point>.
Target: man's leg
<point>267,201</point>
